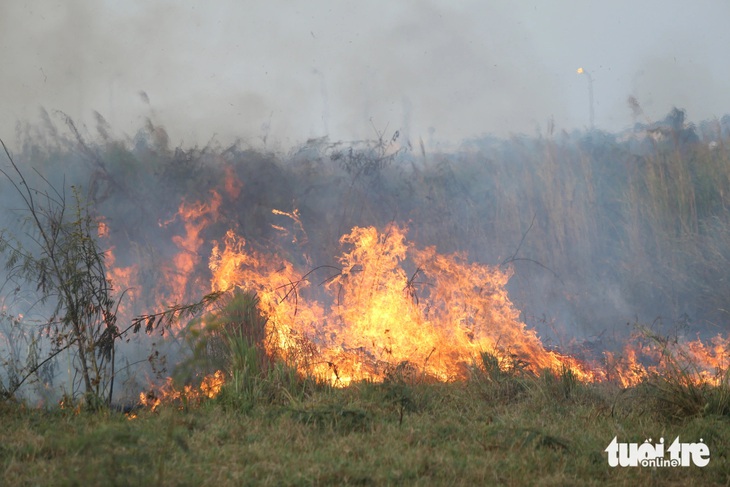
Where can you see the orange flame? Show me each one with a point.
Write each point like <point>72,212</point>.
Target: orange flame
<point>122,279</point>
<point>379,317</point>
<point>233,185</point>
<point>209,388</point>
<point>102,229</point>
<point>195,217</point>
<point>696,361</point>
<point>389,303</point>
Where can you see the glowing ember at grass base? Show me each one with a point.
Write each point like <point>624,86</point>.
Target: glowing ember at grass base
<point>209,388</point>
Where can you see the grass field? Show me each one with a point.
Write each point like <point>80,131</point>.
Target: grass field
<point>497,428</point>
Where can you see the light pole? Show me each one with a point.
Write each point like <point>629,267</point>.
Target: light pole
<point>590,94</point>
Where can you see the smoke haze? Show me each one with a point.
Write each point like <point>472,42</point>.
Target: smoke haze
<point>288,72</point>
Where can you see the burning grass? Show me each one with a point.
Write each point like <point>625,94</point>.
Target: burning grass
<point>271,333</point>
<point>373,314</point>
<point>372,317</point>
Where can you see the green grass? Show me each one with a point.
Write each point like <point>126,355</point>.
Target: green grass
<point>541,430</point>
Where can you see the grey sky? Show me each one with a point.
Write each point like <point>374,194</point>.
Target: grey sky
<point>305,69</point>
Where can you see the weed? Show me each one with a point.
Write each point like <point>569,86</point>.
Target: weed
<point>501,377</point>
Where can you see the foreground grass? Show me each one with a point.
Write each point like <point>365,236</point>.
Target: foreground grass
<point>529,431</point>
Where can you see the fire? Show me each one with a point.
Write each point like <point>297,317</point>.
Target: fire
<point>168,393</point>
<point>233,185</point>
<point>122,279</point>
<point>696,361</point>
<point>212,384</point>
<point>438,316</point>
<point>277,284</point>
<point>374,315</point>
<point>66,404</point>
<point>714,357</point>
<point>103,230</point>
<point>579,71</point>
<point>298,235</point>
<point>173,276</point>
<point>386,303</point>
<point>195,217</point>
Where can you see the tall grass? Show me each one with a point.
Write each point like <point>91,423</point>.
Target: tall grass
<point>600,228</point>
<point>234,339</point>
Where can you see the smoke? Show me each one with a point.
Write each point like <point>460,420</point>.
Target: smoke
<point>289,73</point>
<point>166,76</point>
<point>229,68</point>
<point>691,82</point>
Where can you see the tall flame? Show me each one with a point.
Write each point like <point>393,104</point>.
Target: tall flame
<point>195,217</point>
<point>375,315</point>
